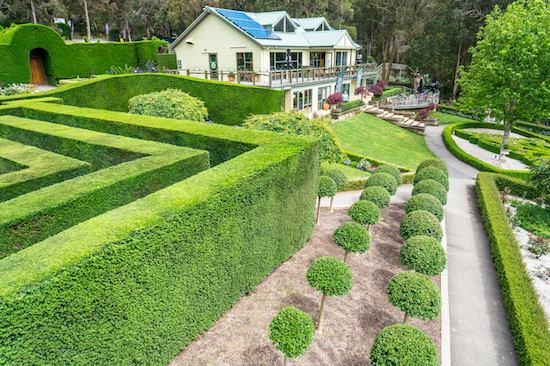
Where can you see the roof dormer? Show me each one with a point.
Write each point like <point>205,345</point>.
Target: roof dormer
<point>284,25</point>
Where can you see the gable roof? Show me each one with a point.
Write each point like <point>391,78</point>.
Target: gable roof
<point>300,38</point>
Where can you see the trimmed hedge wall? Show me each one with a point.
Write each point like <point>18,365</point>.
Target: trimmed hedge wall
<point>227,103</point>
<point>65,60</point>
<point>525,314</point>
<point>135,285</point>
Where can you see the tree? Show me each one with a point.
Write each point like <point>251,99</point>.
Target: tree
<point>508,76</point>
<point>364,213</point>
<point>331,277</point>
<point>327,188</point>
<point>424,254</point>
<point>352,237</point>
<point>291,331</point>
<point>415,295</point>
<point>340,180</point>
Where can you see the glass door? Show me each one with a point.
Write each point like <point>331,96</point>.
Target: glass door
<point>213,65</point>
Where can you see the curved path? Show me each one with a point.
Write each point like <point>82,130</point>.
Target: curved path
<point>480,334</point>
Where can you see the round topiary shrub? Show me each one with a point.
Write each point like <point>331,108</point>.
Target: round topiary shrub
<point>403,345</point>
<point>439,164</point>
<point>364,212</point>
<point>327,186</point>
<point>291,331</point>
<point>383,180</point>
<point>338,177</point>
<point>420,222</point>
<point>424,254</point>
<point>432,187</point>
<point>170,103</point>
<point>415,295</point>
<point>352,237</point>
<point>434,174</point>
<point>377,195</point>
<point>426,202</point>
<point>391,170</point>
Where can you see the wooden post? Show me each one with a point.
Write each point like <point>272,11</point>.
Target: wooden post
<point>270,79</point>
<point>321,315</point>
<point>188,72</point>
<point>345,256</point>
<point>331,203</point>
<point>405,318</point>
<point>205,74</point>
<point>285,360</point>
<point>221,75</point>
<point>318,221</point>
<point>253,78</point>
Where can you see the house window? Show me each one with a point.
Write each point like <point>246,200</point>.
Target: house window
<point>322,27</point>
<point>178,64</point>
<point>341,58</point>
<point>278,60</point>
<point>244,61</point>
<point>301,99</point>
<point>322,94</point>
<point>317,59</point>
<point>284,25</point>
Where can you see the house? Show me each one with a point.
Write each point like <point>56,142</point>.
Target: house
<point>302,56</point>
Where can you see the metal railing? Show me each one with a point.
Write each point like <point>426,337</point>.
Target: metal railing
<point>413,101</point>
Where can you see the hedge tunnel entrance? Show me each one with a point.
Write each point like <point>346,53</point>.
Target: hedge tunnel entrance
<point>38,59</point>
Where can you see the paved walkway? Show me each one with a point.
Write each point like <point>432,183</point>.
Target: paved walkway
<point>479,329</point>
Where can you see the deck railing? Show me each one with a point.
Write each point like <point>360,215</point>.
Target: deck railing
<point>413,101</point>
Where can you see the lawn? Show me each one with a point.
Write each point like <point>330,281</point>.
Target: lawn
<point>375,138</point>
<point>445,118</point>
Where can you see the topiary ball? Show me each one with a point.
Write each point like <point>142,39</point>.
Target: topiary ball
<point>403,345</point>
<point>352,237</point>
<point>424,254</point>
<point>383,180</point>
<point>434,174</point>
<point>426,202</point>
<point>377,195</point>
<point>432,187</point>
<point>327,187</point>
<point>364,212</point>
<point>415,295</point>
<point>291,331</point>
<point>420,222</point>
<point>439,164</point>
<point>330,276</point>
<point>391,170</point>
<point>338,177</point>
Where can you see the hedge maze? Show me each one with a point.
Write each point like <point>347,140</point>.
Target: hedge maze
<point>124,237</point>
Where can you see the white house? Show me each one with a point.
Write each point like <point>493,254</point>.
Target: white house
<point>303,56</point>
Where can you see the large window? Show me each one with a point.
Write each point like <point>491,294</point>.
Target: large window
<point>317,59</point>
<point>277,60</point>
<point>322,94</point>
<point>341,58</point>
<point>301,99</point>
<point>284,25</point>
<point>244,61</point>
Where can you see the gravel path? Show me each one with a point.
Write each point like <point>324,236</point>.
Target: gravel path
<point>487,156</point>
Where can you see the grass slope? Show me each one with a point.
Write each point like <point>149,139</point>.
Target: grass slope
<point>373,137</point>
<point>446,118</point>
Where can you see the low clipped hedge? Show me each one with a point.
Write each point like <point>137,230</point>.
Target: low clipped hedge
<point>377,195</point>
<point>391,170</point>
<point>431,187</point>
<point>525,314</point>
<point>426,202</point>
<point>403,345</point>
<point>383,180</point>
<point>432,173</point>
<point>420,222</point>
<point>423,254</point>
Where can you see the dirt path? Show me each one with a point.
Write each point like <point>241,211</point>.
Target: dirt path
<point>240,337</point>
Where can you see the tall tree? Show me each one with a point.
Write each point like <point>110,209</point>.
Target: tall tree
<point>509,76</point>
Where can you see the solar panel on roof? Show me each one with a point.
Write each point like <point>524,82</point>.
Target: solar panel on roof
<point>247,24</point>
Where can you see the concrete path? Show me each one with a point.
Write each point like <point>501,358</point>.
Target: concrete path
<point>479,329</point>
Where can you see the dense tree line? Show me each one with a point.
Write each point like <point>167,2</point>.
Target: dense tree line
<point>432,35</point>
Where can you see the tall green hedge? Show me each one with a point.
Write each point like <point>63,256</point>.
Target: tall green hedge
<point>65,60</point>
<point>526,317</point>
<point>135,285</point>
<point>227,103</point>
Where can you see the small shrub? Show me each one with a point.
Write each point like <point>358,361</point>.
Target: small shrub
<point>415,295</point>
<point>440,164</point>
<point>432,173</point>
<point>426,202</point>
<point>432,187</point>
<point>424,254</point>
<point>327,186</point>
<point>338,177</point>
<point>352,237</point>
<point>364,212</point>
<point>335,99</point>
<point>291,331</point>
<point>540,178</point>
<point>391,170</point>
<point>351,105</point>
<point>364,164</point>
<point>403,345</point>
<point>377,195</point>
<point>539,246</point>
<point>420,222</point>
<point>170,103</point>
<point>384,180</point>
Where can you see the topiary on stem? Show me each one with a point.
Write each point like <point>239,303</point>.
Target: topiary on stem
<point>391,170</point>
<point>340,180</point>
<point>424,254</point>
<point>403,345</point>
<point>420,222</point>
<point>364,212</point>
<point>327,188</point>
<point>439,164</point>
<point>291,331</point>
<point>415,295</point>
<point>426,202</point>
<point>383,180</point>
<point>434,174</point>
<point>331,277</point>
<point>432,187</point>
<point>377,195</point>
<point>352,237</point>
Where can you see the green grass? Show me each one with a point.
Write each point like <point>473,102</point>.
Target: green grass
<point>350,172</point>
<point>373,137</point>
<point>445,118</point>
